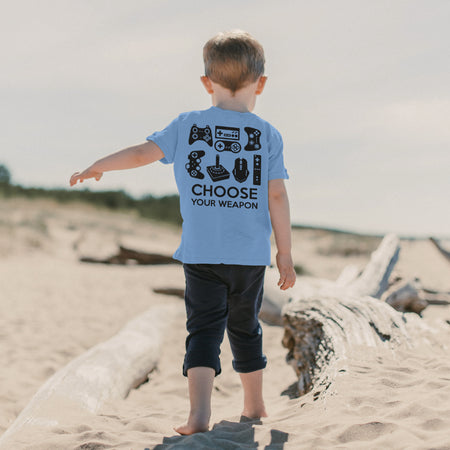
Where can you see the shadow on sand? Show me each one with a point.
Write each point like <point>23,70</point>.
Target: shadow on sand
<point>225,434</point>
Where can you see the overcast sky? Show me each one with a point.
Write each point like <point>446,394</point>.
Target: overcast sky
<point>359,90</point>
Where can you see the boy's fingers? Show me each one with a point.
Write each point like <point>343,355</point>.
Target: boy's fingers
<point>74,178</point>
<point>286,281</point>
<point>282,282</point>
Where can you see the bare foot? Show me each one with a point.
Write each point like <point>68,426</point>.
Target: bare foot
<point>187,429</point>
<point>193,425</point>
<point>255,414</point>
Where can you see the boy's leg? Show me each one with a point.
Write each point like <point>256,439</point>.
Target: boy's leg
<point>252,384</point>
<point>206,309</point>
<point>245,335</point>
<point>200,380</point>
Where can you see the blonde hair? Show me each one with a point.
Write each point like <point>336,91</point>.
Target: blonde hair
<point>233,59</point>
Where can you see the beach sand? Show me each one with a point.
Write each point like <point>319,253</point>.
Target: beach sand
<point>53,308</point>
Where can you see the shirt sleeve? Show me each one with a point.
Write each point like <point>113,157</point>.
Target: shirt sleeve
<point>167,141</point>
<point>276,161</point>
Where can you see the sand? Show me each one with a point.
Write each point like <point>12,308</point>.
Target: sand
<point>53,308</point>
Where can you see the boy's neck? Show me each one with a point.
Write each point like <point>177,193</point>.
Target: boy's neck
<point>243,100</point>
<point>237,102</point>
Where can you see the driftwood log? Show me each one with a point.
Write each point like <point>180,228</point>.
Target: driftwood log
<point>176,292</point>
<point>405,297</point>
<point>105,372</point>
<point>325,320</point>
<point>435,297</point>
<point>445,253</point>
<point>129,256</point>
<point>409,295</point>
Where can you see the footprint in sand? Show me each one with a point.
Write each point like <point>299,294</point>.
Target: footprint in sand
<point>366,431</point>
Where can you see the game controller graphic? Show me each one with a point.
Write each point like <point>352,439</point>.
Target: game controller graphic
<point>227,146</point>
<point>226,136</point>
<point>253,139</point>
<point>193,166</point>
<point>230,133</point>
<point>257,170</point>
<point>200,134</point>
<point>240,171</point>
<point>218,172</point>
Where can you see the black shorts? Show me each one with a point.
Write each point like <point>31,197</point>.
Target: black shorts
<point>220,296</point>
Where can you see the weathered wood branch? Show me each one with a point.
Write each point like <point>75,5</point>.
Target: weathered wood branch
<point>374,279</point>
<point>127,256</point>
<point>325,320</point>
<point>405,297</point>
<point>170,291</point>
<point>437,299</point>
<point>445,253</point>
<point>319,330</point>
<point>105,372</point>
<point>427,291</point>
<point>411,296</point>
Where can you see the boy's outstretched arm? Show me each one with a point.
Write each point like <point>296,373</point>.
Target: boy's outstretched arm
<point>281,224</point>
<point>129,158</point>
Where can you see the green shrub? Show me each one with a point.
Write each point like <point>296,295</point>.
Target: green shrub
<point>164,208</point>
<point>5,175</point>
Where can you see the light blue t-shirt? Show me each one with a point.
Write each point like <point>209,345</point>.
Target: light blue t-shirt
<point>223,161</point>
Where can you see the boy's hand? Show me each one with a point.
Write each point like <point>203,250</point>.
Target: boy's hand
<point>287,272</point>
<point>88,173</point>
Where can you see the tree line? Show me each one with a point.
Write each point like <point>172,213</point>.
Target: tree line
<point>165,208</point>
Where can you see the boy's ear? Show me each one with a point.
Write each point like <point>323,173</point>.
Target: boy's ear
<point>207,83</point>
<point>260,86</point>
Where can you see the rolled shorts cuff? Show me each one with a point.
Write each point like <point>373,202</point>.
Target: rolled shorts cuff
<point>200,361</point>
<point>250,366</point>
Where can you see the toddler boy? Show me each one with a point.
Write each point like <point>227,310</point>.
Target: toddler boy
<point>229,169</point>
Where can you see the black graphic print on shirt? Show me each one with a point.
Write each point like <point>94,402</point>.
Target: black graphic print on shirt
<point>257,170</point>
<point>200,134</point>
<point>193,165</point>
<point>228,138</point>
<point>224,221</point>
<point>253,139</point>
<point>230,133</point>
<point>227,146</point>
<point>218,172</point>
<point>240,171</point>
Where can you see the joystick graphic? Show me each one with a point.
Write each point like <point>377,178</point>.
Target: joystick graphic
<point>257,170</point>
<point>240,171</point>
<point>253,139</point>
<point>200,134</point>
<point>218,172</point>
<point>193,166</point>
